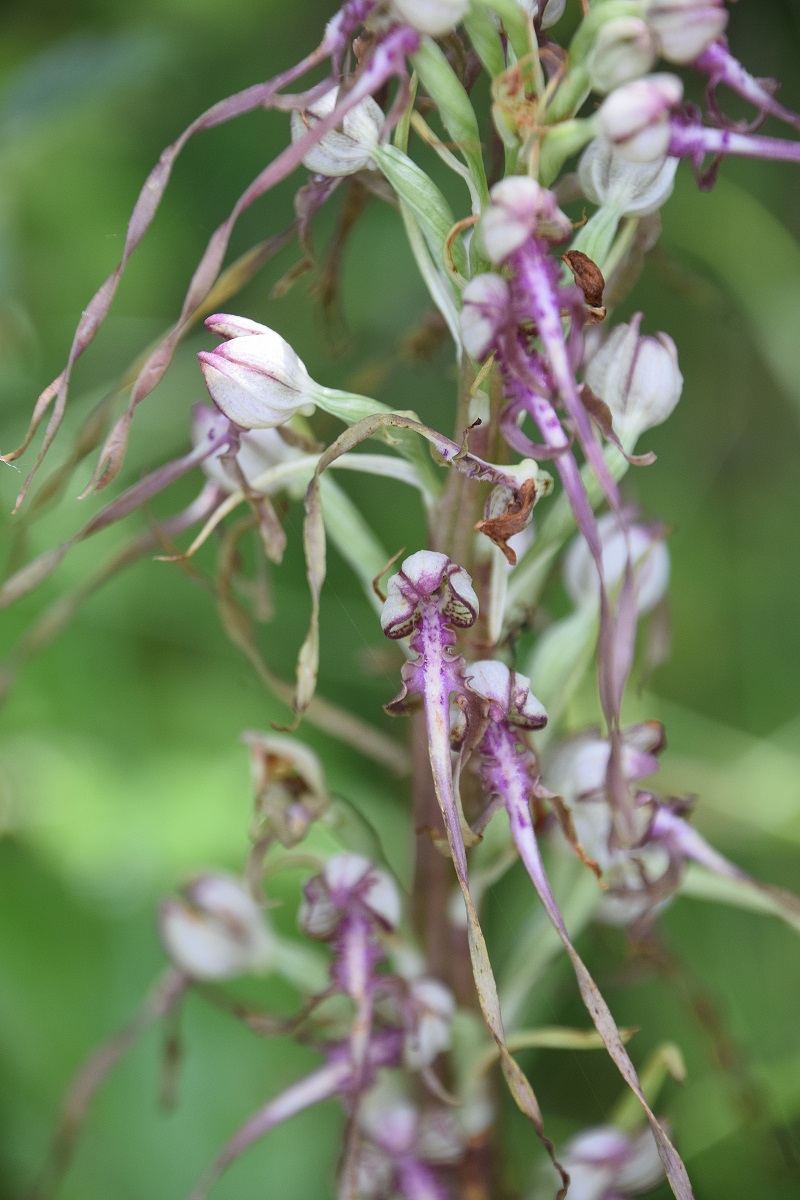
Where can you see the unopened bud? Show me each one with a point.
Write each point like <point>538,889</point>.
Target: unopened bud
<point>685,28</point>
<point>434,17</point>
<point>577,767</point>
<point>633,189</point>
<point>340,151</point>
<point>217,931</point>
<point>440,1138</point>
<point>623,50</point>
<point>638,377</point>
<point>255,378</point>
<point>484,309</point>
<point>428,577</point>
<point>648,557</point>
<point>429,1029</point>
<point>636,116</point>
<point>606,1164</point>
<point>548,11</point>
<point>521,208</point>
<point>551,11</point>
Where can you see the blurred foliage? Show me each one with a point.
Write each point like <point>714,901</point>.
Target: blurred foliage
<point>121,767</point>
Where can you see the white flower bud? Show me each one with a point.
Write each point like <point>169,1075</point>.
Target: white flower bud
<point>649,558</point>
<point>604,1163</point>
<point>340,151</point>
<point>217,932</point>
<point>685,28</point>
<point>429,1032</point>
<point>484,308</point>
<point>623,50</point>
<point>635,117</point>
<point>638,377</point>
<point>550,10</point>
<point>434,17</point>
<point>577,767</point>
<point>256,379</point>
<point>520,208</point>
<point>634,189</point>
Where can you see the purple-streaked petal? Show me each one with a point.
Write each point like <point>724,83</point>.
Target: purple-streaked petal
<point>722,68</point>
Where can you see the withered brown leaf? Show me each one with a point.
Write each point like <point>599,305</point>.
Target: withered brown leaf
<point>513,520</point>
<point>589,279</point>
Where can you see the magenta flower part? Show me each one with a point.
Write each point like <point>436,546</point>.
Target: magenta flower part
<point>425,600</point>
<point>722,68</point>
<point>509,771</point>
<point>689,139</point>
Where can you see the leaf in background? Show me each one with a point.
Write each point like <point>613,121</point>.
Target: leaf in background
<point>77,69</point>
<point>758,260</point>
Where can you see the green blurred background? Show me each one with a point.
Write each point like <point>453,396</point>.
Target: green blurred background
<point>121,768</point>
